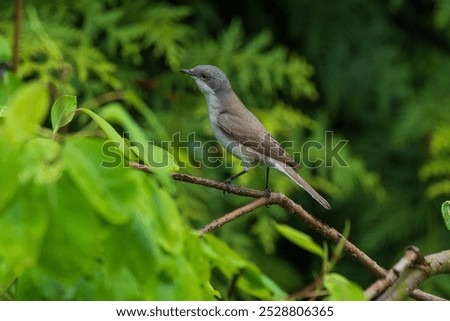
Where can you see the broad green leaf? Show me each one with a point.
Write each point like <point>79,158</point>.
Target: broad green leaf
<point>300,239</point>
<point>164,256</point>
<point>9,169</point>
<point>341,289</point>
<point>23,226</point>
<point>5,49</point>
<point>263,228</point>
<point>131,251</point>
<point>27,109</point>
<point>115,113</point>
<point>228,261</point>
<point>109,131</point>
<point>73,229</point>
<point>120,143</point>
<point>63,111</point>
<point>250,278</point>
<point>446,213</point>
<point>121,285</point>
<point>110,190</point>
<point>42,161</point>
<point>71,250</point>
<point>199,262</point>
<point>9,84</point>
<point>151,154</point>
<point>181,280</point>
<point>38,284</point>
<point>253,281</point>
<point>134,245</point>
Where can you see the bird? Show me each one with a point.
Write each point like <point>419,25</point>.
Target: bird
<point>240,131</point>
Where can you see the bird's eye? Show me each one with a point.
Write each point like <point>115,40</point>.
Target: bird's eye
<point>203,76</point>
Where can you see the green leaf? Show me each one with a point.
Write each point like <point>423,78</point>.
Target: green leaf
<point>9,169</point>
<point>109,131</point>
<point>110,190</point>
<point>446,213</point>
<point>228,261</point>
<point>9,84</point>
<point>122,285</point>
<point>41,161</point>
<point>300,239</point>
<point>251,279</point>
<point>263,228</point>
<point>122,145</point>
<point>27,110</point>
<point>73,229</point>
<point>5,49</point>
<point>23,226</point>
<point>151,154</point>
<point>341,289</point>
<point>63,111</point>
<point>40,284</point>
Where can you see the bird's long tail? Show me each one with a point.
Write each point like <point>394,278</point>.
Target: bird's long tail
<point>293,175</point>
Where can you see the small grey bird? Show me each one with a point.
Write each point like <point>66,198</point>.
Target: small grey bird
<point>240,132</point>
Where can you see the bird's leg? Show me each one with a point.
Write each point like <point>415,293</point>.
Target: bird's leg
<point>267,190</point>
<point>247,167</point>
<point>228,180</point>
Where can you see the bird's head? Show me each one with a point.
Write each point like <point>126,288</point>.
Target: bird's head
<point>209,79</point>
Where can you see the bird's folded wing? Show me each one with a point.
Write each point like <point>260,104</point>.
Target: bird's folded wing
<point>248,131</point>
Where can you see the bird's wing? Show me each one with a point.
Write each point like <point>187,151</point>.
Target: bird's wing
<point>248,131</point>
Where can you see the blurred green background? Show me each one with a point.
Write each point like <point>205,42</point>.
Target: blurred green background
<point>375,73</point>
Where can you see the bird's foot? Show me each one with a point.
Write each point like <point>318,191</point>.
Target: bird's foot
<point>228,182</point>
<point>267,192</point>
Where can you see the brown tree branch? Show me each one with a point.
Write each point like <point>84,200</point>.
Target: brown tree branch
<point>329,233</point>
<point>281,200</point>
<point>424,296</point>
<point>411,255</point>
<point>414,274</point>
<point>293,208</point>
<point>234,214</point>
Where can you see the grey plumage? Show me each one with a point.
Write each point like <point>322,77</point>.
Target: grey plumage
<point>239,131</point>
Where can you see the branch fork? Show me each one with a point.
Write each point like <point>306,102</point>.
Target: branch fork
<point>408,273</point>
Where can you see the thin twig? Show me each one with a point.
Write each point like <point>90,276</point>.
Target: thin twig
<point>103,99</point>
<point>17,26</point>
<point>310,290</point>
<point>234,214</point>
<point>424,296</point>
<point>233,189</point>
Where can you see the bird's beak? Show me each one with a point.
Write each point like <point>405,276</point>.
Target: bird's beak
<point>187,71</point>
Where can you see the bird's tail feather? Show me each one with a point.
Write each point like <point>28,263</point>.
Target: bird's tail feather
<point>293,175</point>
